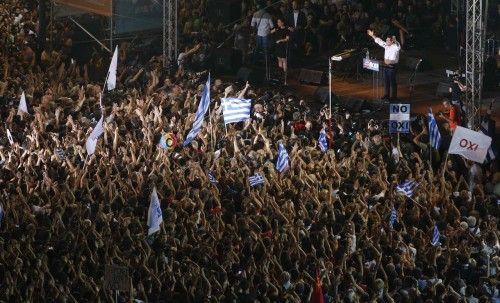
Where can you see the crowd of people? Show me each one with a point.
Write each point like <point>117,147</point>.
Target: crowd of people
<point>319,25</point>
<point>328,216</point>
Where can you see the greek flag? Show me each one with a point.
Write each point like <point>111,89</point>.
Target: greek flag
<point>255,180</point>
<point>323,144</point>
<point>434,135</point>
<point>393,217</point>
<point>155,216</point>
<point>282,162</point>
<point>484,127</point>
<point>1,215</point>
<point>60,153</point>
<point>435,236</point>
<point>407,188</point>
<point>212,178</point>
<point>91,142</point>
<point>200,113</point>
<point>235,110</point>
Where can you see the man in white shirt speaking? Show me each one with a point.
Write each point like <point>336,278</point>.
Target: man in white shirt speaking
<point>391,59</point>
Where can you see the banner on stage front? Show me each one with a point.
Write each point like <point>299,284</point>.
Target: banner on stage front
<point>100,7</point>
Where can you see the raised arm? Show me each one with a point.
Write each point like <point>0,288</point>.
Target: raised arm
<point>376,39</point>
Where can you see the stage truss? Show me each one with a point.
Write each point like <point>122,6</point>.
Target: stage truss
<point>475,27</point>
<point>169,31</point>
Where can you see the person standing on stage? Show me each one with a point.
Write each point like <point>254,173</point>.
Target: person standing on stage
<point>282,36</point>
<point>263,23</point>
<point>296,21</point>
<point>391,59</point>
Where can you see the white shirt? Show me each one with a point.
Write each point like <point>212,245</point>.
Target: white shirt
<point>295,18</point>
<point>263,22</point>
<point>391,51</point>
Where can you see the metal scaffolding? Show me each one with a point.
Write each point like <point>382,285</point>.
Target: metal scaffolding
<point>169,31</point>
<point>475,32</point>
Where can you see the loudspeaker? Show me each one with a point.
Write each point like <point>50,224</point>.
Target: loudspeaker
<point>443,89</point>
<point>226,60</point>
<point>311,76</point>
<point>254,76</point>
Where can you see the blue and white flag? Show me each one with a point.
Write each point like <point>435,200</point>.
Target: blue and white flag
<point>200,113</point>
<point>155,216</point>
<point>282,162</point>
<point>1,215</point>
<point>484,127</point>
<point>393,217</point>
<point>91,142</point>
<point>407,188</point>
<point>435,236</point>
<point>60,153</point>
<point>235,110</point>
<point>255,180</point>
<point>434,135</point>
<point>211,178</point>
<point>323,143</point>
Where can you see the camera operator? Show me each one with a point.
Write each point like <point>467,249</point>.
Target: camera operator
<point>456,89</point>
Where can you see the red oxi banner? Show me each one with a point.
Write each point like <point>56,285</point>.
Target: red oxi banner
<point>100,7</point>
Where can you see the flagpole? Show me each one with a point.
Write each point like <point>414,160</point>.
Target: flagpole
<point>211,126</point>
<point>85,162</point>
<point>445,163</point>
<point>415,202</point>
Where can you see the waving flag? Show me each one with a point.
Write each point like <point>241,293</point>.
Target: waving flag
<point>435,236</point>
<point>255,180</point>
<point>323,143</point>
<point>485,128</point>
<point>1,215</point>
<point>200,113</point>
<point>393,217</point>
<point>23,107</point>
<point>470,144</point>
<point>111,82</point>
<point>235,110</point>
<point>9,136</point>
<point>60,153</point>
<point>155,216</point>
<point>91,142</point>
<point>407,188</point>
<point>434,135</point>
<point>282,162</point>
<point>211,178</point>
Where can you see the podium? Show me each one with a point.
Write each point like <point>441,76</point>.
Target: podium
<point>374,66</point>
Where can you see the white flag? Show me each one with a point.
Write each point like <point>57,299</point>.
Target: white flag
<point>9,136</point>
<point>155,216</point>
<point>112,71</point>
<point>470,144</point>
<point>94,135</point>
<point>23,107</point>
